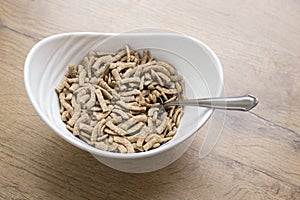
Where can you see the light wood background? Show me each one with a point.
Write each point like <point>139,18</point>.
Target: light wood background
<point>258,154</point>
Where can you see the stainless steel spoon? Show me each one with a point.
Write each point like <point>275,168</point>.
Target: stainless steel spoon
<point>242,103</point>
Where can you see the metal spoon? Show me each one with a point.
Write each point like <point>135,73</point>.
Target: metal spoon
<point>242,103</point>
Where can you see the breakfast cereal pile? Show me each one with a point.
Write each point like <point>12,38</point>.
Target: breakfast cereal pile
<point>111,100</point>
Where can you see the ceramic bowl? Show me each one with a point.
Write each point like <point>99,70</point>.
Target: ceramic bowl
<point>47,63</point>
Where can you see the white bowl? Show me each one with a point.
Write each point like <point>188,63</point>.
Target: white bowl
<point>46,64</point>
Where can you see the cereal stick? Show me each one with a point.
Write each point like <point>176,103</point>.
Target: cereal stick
<point>76,113</point>
<point>141,137</point>
<point>145,56</point>
<point>109,132</point>
<point>156,119</point>
<point>65,116</point>
<point>135,128</point>
<point>178,87</point>
<point>103,115</point>
<point>100,53</point>
<point>91,102</point>
<point>94,133</point>
<point>101,145</point>
<point>91,54</point>
<point>74,87</point>
<point>173,98</point>
<point>104,85</point>
<point>154,140</point>
<point>127,53</point>
<point>156,77</point>
<point>168,66</point>
<point>164,77</point>
<point>115,128</point>
<point>148,82</point>
<point>157,68</point>
<point>105,93</point>
<point>94,81</point>
<point>122,149</point>
<point>124,59</point>
<point>101,138</point>
<point>122,104</point>
<point>169,124</point>
<point>110,139</point>
<point>101,123</point>
<point>69,95</point>
<point>171,110</point>
<point>71,72</point>
<point>72,80</point>
<point>119,56</point>
<point>82,75</point>
<point>62,84</point>
<point>103,71</point>
<point>176,113</point>
<point>127,99</point>
<point>79,68</point>
<point>172,132</point>
<point>150,123</point>
<point>64,103</point>
<point>137,108</point>
<point>81,119</point>
<point>88,67</point>
<point>137,56</point>
<point>121,66</point>
<point>131,121</point>
<point>152,110</point>
<point>141,85</point>
<point>166,139</point>
<point>138,71</point>
<point>121,113</point>
<point>175,78</point>
<point>117,119</point>
<point>85,135</point>
<point>179,118</point>
<point>163,124</point>
<point>156,93</point>
<point>101,100</point>
<point>116,74</point>
<point>70,128</point>
<point>129,73</point>
<point>99,61</point>
<point>130,80</point>
<point>124,142</point>
<point>149,137</point>
<point>164,96</point>
<point>113,147</point>
<point>145,93</point>
<point>167,91</point>
<point>86,128</point>
<point>137,148</point>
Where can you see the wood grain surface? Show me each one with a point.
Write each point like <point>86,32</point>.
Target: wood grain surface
<point>258,154</point>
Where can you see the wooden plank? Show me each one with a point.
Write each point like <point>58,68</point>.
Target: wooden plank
<point>257,156</point>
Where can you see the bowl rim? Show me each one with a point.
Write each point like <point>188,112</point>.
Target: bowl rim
<point>92,149</point>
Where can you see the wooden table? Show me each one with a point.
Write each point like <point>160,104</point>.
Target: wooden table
<point>258,154</point>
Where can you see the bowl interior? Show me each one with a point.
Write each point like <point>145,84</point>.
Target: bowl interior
<point>46,65</point>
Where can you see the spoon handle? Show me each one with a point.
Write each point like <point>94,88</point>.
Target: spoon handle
<point>242,103</point>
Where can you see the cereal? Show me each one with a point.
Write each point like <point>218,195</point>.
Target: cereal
<point>112,101</point>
